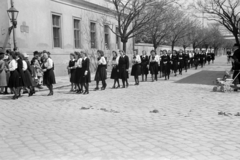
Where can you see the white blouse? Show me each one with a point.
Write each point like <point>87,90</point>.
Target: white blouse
<point>137,59</point>
<point>13,65</point>
<point>78,64</point>
<point>156,59</point>
<point>115,62</point>
<point>49,63</point>
<point>24,65</point>
<point>102,61</point>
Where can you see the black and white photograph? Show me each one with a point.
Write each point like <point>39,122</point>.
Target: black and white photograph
<point>119,79</point>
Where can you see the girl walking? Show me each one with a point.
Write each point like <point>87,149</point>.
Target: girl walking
<point>115,70</point>
<point>136,68</point>
<point>101,74</point>
<point>86,79</point>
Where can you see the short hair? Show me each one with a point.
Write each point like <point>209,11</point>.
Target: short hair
<point>85,53</point>
<point>13,54</point>
<point>1,55</point>
<point>35,53</point>
<point>72,54</point>
<point>101,52</point>
<point>153,51</point>
<point>77,54</point>
<point>115,52</point>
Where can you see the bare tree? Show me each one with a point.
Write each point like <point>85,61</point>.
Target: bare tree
<point>225,12</point>
<point>180,27</point>
<point>158,29</point>
<point>132,18</point>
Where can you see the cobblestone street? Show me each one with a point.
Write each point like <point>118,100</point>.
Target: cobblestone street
<point>117,124</point>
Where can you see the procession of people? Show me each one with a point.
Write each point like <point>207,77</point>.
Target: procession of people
<point>18,75</point>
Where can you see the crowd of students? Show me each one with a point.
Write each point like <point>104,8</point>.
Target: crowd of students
<point>163,64</point>
<point>21,75</point>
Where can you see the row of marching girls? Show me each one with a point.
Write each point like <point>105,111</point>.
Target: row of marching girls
<point>167,62</point>
<point>79,72</point>
<point>17,73</point>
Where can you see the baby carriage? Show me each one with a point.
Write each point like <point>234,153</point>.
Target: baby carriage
<point>224,84</point>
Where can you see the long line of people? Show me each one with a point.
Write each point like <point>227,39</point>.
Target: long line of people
<point>18,73</point>
<point>163,64</point>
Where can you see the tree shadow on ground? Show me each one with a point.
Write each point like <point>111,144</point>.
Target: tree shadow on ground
<point>203,77</point>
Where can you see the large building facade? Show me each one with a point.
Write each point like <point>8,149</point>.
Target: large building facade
<point>61,27</point>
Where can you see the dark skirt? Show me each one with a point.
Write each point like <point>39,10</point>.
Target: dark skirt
<point>28,79</point>
<point>166,68</point>
<point>208,58</point>
<point>72,75</point>
<point>123,73</point>
<point>136,70</point>
<point>181,64</point>
<point>78,75</point>
<point>196,62</point>
<point>114,73</point>
<point>101,73</point>
<point>175,66</point>
<point>144,69</point>
<point>13,81</point>
<point>87,78</point>
<point>153,67</point>
<point>49,77</point>
<point>22,79</point>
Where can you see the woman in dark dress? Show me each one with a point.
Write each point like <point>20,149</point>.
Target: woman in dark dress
<point>196,59</point>
<point>174,62</point>
<point>208,57</point>
<point>101,74</point>
<point>123,65</point>
<point>201,59</point>
<point>28,74</point>
<point>185,60</point>
<point>86,79</point>
<point>48,76</point>
<point>71,71</point>
<point>136,67</point>
<point>153,65</point>
<point>22,79</point>
<point>166,64</point>
<point>144,65</point>
<point>13,82</point>
<point>180,61</point>
<point>78,72</point>
<point>212,56</point>
<point>115,70</point>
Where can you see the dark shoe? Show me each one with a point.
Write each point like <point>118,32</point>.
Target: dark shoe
<point>25,92</point>
<point>95,89</point>
<point>50,94</point>
<point>30,93</point>
<point>118,86</point>
<point>15,97</point>
<point>6,93</point>
<point>113,87</point>
<point>235,90</point>
<point>127,85</point>
<point>86,92</point>
<point>102,88</point>
<point>123,87</point>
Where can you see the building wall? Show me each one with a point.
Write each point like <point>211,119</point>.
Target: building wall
<point>4,24</point>
<point>36,15</point>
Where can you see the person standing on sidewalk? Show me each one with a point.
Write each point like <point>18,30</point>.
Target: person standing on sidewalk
<point>144,65</point>
<point>101,73</point>
<point>78,72</point>
<point>71,71</point>
<point>136,67</point>
<point>3,76</point>
<point>123,64</point>
<point>115,70</point>
<point>236,65</point>
<point>86,79</point>
<point>174,62</point>
<point>48,76</point>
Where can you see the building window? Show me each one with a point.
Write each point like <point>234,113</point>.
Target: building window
<point>93,34</point>
<point>117,38</point>
<point>76,24</point>
<point>106,36</point>
<point>56,30</point>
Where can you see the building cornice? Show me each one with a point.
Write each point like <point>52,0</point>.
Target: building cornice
<point>87,5</point>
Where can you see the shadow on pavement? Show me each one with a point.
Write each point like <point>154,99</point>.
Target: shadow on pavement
<point>203,77</point>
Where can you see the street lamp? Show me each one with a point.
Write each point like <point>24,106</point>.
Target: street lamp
<point>13,14</point>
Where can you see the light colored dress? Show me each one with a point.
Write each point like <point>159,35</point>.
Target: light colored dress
<point>3,78</point>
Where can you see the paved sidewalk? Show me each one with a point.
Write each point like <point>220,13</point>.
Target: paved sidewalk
<point>160,120</point>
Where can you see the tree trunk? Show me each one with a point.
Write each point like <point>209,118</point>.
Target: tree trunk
<point>173,46</point>
<point>124,41</point>
<point>125,46</point>
<point>155,46</point>
<point>236,38</point>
